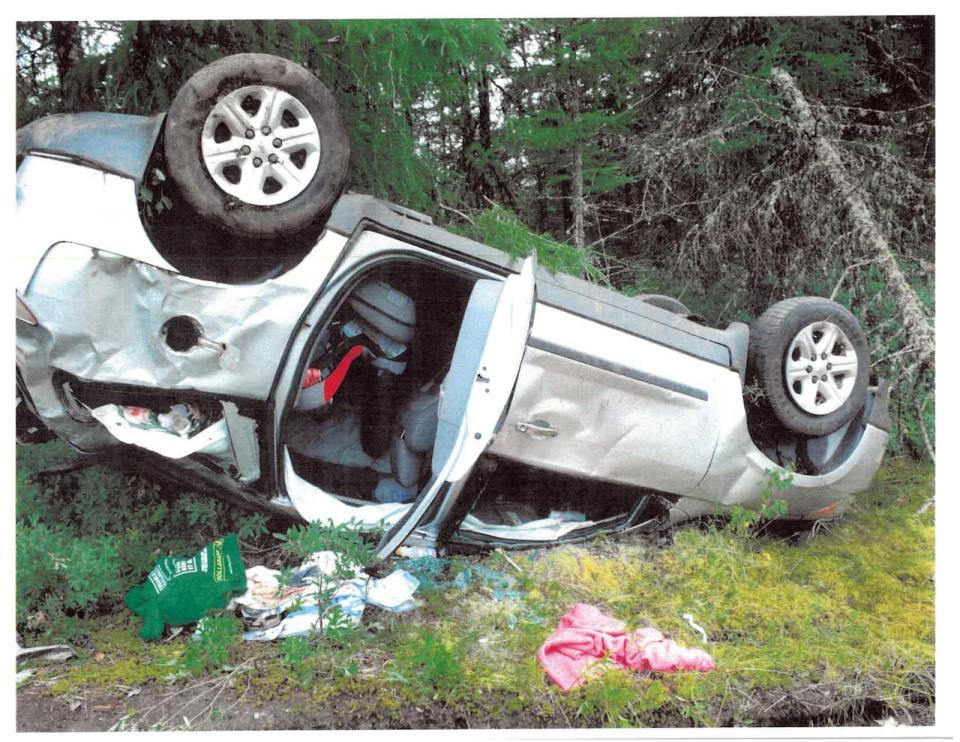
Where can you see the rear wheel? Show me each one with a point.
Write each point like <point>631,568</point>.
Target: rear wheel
<point>256,147</point>
<point>810,358</point>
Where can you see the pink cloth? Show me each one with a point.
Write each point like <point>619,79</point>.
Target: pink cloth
<point>587,635</point>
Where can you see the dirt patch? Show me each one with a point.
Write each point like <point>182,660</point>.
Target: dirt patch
<point>164,707</point>
<point>155,708</point>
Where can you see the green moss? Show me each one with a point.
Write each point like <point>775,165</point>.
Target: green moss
<point>118,657</point>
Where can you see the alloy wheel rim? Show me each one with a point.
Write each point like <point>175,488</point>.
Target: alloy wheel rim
<point>821,368</point>
<point>260,145</point>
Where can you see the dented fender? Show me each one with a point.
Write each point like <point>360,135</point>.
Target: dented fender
<point>172,333</point>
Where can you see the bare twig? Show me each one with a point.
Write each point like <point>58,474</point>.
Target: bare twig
<point>512,563</point>
<point>902,351</point>
<point>457,212</point>
<point>843,275</point>
<point>73,465</point>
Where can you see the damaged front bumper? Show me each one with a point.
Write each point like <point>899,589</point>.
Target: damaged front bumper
<point>740,471</point>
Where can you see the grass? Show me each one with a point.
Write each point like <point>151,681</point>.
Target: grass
<point>852,607</point>
<point>801,628</point>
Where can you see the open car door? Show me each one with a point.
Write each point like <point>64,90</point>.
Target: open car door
<point>475,391</point>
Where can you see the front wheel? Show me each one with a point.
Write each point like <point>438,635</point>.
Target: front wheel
<point>810,358</point>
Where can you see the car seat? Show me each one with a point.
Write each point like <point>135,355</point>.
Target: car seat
<point>336,441</point>
<point>379,323</point>
<point>374,330</point>
<point>414,434</point>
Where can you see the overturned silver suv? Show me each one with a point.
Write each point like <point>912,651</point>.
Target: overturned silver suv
<point>322,354</point>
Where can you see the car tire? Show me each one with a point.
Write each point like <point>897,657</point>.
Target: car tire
<point>810,358</point>
<point>256,147</point>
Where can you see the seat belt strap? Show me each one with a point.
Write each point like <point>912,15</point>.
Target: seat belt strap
<point>332,383</point>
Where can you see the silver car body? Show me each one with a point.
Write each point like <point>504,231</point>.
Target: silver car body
<point>597,387</point>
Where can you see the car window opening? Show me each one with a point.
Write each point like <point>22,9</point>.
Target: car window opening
<point>517,502</point>
<point>364,420</point>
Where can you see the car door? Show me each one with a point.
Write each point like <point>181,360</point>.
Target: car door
<point>476,390</point>
<point>594,402</point>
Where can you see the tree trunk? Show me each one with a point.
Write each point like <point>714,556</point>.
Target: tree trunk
<point>541,202</point>
<point>468,129</point>
<point>872,242</point>
<point>138,61</point>
<point>484,184</point>
<point>67,54</point>
<point>578,206</point>
<point>566,202</point>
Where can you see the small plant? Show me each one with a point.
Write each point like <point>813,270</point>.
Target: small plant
<point>252,526</point>
<point>345,540</point>
<point>746,522</point>
<point>434,662</point>
<point>609,696</point>
<point>339,626</point>
<point>151,193</point>
<point>202,513</point>
<point>351,554</point>
<point>213,644</point>
<point>295,654</point>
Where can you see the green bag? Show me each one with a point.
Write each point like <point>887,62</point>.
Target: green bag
<point>181,591</point>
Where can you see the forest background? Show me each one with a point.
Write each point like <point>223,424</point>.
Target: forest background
<point>687,156</point>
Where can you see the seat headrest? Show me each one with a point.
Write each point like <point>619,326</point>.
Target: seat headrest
<point>387,310</point>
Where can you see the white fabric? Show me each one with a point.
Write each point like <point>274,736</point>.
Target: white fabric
<point>394,592</point>
<point>314,504</point>
<point>212,440</point>
<point>545,529</point>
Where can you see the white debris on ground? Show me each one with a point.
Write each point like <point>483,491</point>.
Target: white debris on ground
<point>273,609</point>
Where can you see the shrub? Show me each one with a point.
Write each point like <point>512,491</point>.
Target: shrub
<point>60,576</point>
<point>83,539</point>
<point>500,228</point>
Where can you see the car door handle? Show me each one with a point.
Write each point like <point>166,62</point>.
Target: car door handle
<point>537,429</point>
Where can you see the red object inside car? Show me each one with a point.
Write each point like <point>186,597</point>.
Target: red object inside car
<point>332,383</point>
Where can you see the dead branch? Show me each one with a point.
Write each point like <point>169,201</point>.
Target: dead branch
<point>921,409</point>
<point>871,241</point>
<point>83,462</point>
<point>457,212</point>
<point>843,276</point>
